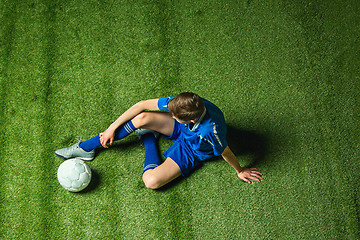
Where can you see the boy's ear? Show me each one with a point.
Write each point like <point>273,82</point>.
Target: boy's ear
<point>193,121</point>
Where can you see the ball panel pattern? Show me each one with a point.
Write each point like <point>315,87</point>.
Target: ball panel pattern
<point>74,175</point>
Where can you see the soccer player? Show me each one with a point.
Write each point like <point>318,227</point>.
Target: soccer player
<point>196,126</point>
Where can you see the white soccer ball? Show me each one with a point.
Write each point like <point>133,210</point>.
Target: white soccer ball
<point>74,175</point>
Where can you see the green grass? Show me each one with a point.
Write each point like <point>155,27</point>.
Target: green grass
<point>285,73</point>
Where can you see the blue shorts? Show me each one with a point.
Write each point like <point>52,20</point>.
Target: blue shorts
<point>180,152</point>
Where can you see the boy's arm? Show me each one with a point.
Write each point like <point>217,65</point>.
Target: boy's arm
<point>108,135</point>
<point>243,173</point>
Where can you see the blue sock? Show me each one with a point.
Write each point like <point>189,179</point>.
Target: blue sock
<point>91,143</point>
<point>120,133</point>
<point>152,158</point>
<point>124,131</point>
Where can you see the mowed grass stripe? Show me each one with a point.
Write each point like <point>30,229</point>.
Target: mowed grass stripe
<point>343,87</point>
<point>7,29</point>
<point>27,185</point>
<point>164,19</point>
<point>85,98</point>
<point>50,226</point>
<point>28,210</point>
<point>329,104</point>
<point>10,179</point>
<point>319,51</point>
<point>180,211</point>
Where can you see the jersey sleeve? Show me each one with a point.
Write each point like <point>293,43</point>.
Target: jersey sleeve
<point>163,103</point>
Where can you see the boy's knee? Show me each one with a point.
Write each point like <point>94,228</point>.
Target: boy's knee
<point>151,181</point>
<point>141,119</point>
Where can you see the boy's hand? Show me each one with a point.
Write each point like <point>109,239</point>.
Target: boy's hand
<point>105,137</point>
<point>250,173</point>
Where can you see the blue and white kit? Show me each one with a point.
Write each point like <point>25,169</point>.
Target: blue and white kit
<point>197,142</point>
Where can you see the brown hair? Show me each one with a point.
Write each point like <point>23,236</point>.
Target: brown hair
<point>186,106</point>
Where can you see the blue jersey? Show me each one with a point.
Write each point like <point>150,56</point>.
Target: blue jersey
<point>207,137</point>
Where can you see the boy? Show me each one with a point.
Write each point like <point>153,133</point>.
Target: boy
<point>196,126</point>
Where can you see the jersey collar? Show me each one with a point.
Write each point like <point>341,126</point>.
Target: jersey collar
<point>198,121</point>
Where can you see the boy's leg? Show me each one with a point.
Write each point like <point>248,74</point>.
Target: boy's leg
<point>157,121</point>
<point>156,174</point>
<point>152,157</point>
<point>160,122</point>
<point>86,150</point>
<point>122,132</point>
<point>161,175</point>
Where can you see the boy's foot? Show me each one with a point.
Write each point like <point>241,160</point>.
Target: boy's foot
<point>141,131</point>
<point>75,151</point>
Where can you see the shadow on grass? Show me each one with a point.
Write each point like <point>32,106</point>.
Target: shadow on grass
<point>129,143</point>
<point>246,142</point>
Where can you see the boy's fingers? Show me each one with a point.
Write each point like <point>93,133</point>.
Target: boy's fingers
<point>103,143</point>
<point>255,179</point>
<point>246,180</point>
<point>257,175</point>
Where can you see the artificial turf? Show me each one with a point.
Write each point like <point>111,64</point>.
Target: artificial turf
<point>285,73</point>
